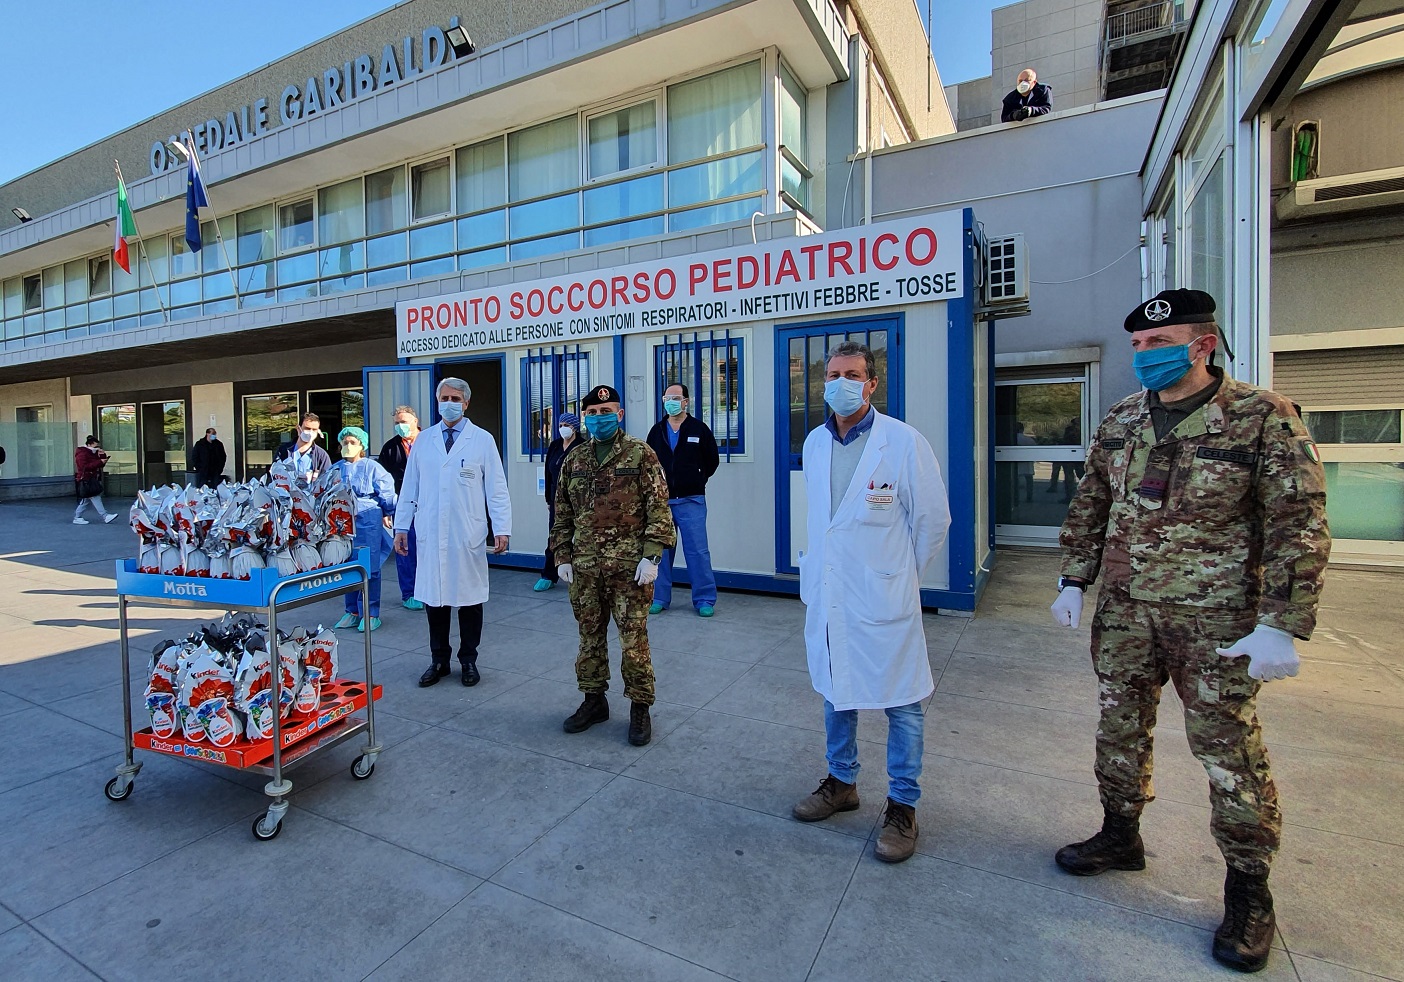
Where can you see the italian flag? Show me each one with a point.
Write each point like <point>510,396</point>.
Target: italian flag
<point>125,226</point>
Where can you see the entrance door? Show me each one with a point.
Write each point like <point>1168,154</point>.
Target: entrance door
<point>486,406</point>
<point>163,445</point>
<point>269,421</point>
<point>799,388</point>
<point>117,429</point>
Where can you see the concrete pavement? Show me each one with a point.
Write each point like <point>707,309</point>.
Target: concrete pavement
<point>489,844</point>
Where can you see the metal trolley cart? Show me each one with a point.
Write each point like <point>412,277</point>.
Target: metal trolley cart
<point>346,708</point>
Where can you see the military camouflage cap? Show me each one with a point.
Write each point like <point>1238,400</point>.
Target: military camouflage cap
<point>1172,307</point>
<point>599,395</point>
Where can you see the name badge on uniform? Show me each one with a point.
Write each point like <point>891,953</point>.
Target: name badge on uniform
<point>880,498</point>
<point>466,474</point>
<point>626,471</point>
<point>694,439</point>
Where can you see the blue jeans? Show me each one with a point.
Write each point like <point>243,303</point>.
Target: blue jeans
<point>690,516</point>
<point>905,742</point>
<point>404,569</point>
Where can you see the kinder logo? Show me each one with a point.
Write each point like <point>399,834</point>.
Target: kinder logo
<point>171,588</point>
<point>169,748</point>
<point>320,582</point>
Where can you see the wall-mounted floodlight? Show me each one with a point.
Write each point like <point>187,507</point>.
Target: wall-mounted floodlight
<point>22,215</point>
<point>459,40</point>
<point>178,148</point>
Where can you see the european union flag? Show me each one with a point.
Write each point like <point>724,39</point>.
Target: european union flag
<point>194,200</point>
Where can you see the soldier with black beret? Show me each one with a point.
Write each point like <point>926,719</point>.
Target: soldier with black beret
<point>612,525</point>
<point>1203,512</point>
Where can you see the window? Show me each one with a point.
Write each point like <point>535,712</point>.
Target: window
<point>710,365</point>
<point>341,222</point>
<point>543,160</point>
<point>715,114</point>
<point>430,189</point>
<point>623,139</point>
<point>183,261</point>
<point>553,382</point>
<point>295,228</point>
<point>385,201</point>
<point>100,276</point>
<point>33,293</point>
<point>794,107</point>
<point>1361,454</point>
<point>482,191</point>
<point>257,277</point>
<point>1354,426</point>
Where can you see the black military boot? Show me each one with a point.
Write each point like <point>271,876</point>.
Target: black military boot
<point>1244,939</point>
<point>595,709</point>
<point>1117,846</point>
<point>640,725</point>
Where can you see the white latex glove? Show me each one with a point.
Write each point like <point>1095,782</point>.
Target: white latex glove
<point>566,572</point>
<point>1067,609</point>
<point>1272,654</point>
<point>646,572</point>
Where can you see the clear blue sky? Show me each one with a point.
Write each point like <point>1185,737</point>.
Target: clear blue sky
<point>80,70</point>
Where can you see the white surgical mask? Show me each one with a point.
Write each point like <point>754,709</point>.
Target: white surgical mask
<point>1024,87</point>
<point>307,436</point>
<point>566,432</point>
<point>844,395</point>
<point>451,412</point>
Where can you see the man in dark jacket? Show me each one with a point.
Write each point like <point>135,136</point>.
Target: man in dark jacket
<point>688,452</point>
<point>1030,98</point>
<point>393,457</point>
<point>207,459</point>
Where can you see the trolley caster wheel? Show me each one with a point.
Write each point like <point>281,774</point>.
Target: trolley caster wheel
<point>362,767</point>
<point>261,831</point>
<point>119,789</point>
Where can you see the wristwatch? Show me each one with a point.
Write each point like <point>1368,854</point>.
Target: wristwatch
<point>1066,581</point>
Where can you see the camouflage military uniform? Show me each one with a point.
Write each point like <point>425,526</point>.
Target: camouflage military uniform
<point>609,515</point>
<point>1198,537</point>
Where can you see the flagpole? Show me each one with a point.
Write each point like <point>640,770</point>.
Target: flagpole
<point>234,279</point>
<point>141,245</point>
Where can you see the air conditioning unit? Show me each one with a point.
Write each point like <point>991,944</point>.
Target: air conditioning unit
<point>1345,193</point>
<point>1006,271</point>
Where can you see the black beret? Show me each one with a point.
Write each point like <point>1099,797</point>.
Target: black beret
<point>1172,307</point>
<point>599,395</point>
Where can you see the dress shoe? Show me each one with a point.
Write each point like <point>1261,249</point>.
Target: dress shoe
<point>640,725</point>
<point>470,673</point>
<point>898,838</point>
<point>594,709</point>
<point>831,796</point>
<point>432,674</point>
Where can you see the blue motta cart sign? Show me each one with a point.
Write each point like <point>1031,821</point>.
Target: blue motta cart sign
<point>253,592</point>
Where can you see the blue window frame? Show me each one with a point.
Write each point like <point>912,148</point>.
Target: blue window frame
<point>712,366</point>
<point>553,381</point>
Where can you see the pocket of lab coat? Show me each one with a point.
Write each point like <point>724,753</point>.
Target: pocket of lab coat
<point>809,586</point>
<point>889,595</point>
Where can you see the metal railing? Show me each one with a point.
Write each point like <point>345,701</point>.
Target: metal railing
<point>1125,26</point>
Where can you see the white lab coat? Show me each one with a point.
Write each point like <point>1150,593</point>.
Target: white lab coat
<point>448,496</point>
<point>861,572</point>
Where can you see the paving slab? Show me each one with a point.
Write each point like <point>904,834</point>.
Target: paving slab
<point>684,678</point>
<point>8,919</point>
<point>67,838</point>
<point>476,804</point>
<point>29,955</point>
<point>39,743</point>
<point>994,927</point>
<point>706,881</point>
<point>1314,970</point>
<point>331,918</point>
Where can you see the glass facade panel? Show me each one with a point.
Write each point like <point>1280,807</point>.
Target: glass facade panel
<point>295,228</point>
<point>392,274</point>
<point>546,247</point>
<point>732,211</point>
<point>53,287</point>
<point>297,269</point>
<point>1355,426</point>
<point>183,261</point>
<point>386,201</point>
<point>620,231</point>
<point>717,179</point>
<point>717,113</point>
<point>183,292</point>
<point>430,190</point>
<point>99,275</point>
<point>1208,258</point>
<point>1365,500</point>
<point>484,257</point>
<point>13,292</point>
<point>543,159</point>
<point>268,421</point>
<point>339,262</point>
<point>431,240</point>
<point>341,215</point>
<point>481,229</point>
<point>432,267</point>
<point>386,250</point>
<point>624,139</point>
<point>623,200</point>
<point>75,281</point>
<point>543,217</point>
<point>482,176</point>
<point>255,254</point>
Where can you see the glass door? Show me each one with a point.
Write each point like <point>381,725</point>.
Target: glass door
<point>799,388</point>
<point>1040,428</point>
<point>163,445</point>
<point>269,420</point>
<point>117,429</point>
<point>337,408</point>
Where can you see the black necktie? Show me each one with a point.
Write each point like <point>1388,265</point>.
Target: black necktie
<point>449,434</point>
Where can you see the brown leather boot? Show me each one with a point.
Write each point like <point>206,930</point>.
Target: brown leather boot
<point>1244,939</point>
<point>898,838</point>
<point>831,796</point>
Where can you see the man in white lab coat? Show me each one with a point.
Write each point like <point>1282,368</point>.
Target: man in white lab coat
<point>453,483</point>
<point>877,519</point>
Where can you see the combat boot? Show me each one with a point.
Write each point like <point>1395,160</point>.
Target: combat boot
<point>595,709</point>
<point>640,725</point>
<point>1244,940</point>
<point>1117,846</point>
<point>899,833</point>
<point>831,796</point>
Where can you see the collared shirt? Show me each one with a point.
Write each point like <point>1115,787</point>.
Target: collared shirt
<point>854,431</point>
<point>302,461</point>
<point>451,434</point>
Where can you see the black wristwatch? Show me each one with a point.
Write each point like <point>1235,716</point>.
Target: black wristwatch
<point>1066,581</point>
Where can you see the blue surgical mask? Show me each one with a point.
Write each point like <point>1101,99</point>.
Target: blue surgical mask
<point>602,427</point>
<point>1160,368</point>
<point>307,436</point>
<point>402,429</point>
<point>451,412</point>
<point>672,406</point>
<point>844,395</point>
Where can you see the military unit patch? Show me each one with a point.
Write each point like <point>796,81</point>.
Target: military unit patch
<point>1309,446</point>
